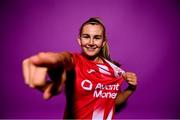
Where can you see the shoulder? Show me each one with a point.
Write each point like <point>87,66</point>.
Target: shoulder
<point>77,58</point>
<point>75,55</point>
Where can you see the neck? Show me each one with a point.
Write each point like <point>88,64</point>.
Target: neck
<point>95,58</point>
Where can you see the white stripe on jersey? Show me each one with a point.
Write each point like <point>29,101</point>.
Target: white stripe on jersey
<point>103,69</point>
<point>98,114</point>
<point>110,114</point>
<point>116,69</point>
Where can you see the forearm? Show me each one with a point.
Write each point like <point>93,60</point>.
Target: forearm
<point>54,60</point>
<point>123,96</point>
<point>66,59</point>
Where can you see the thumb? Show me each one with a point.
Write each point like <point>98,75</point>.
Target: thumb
<point>47,92</point>
<point>124,76</point>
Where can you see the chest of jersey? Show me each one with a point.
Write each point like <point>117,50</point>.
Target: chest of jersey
<point>96,87</point>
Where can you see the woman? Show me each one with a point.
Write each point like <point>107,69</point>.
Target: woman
<point>92,80</point>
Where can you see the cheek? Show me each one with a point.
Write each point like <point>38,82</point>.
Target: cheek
<point>83,42</point>
<point>99,43</point>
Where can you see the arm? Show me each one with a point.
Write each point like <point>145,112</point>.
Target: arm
<point>36,69</point>
<point>53,60</point>
<point>131,79</point>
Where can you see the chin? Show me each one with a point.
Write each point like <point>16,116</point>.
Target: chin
<point>91,54</point>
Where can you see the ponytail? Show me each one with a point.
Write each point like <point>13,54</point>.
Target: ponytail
<point>105,51</point>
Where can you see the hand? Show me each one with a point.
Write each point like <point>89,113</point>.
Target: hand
<point>131,79</point>
<point>36,68</point>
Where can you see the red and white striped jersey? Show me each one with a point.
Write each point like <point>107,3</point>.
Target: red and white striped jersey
<point>95,88</point>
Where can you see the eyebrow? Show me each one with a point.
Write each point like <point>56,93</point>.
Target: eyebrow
<point>93,36</point>
<point>84,34</point>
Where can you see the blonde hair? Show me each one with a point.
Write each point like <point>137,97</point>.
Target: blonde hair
<point>96,21</point>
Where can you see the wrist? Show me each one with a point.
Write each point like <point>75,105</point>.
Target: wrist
<point>132,87</point>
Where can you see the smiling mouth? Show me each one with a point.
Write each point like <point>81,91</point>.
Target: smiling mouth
<point>90,48</point>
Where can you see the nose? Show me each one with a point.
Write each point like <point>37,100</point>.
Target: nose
<point>91,41</point>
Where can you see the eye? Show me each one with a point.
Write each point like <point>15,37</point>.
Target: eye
<point>98,37</point>
<point>85,36</point>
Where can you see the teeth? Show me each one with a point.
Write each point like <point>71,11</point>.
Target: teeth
<point>91,48</point>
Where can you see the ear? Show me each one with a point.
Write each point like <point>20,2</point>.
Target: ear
<point>79,41</point>
<point>104,42</point>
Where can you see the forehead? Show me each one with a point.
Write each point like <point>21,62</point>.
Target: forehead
<point>92,29</point>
